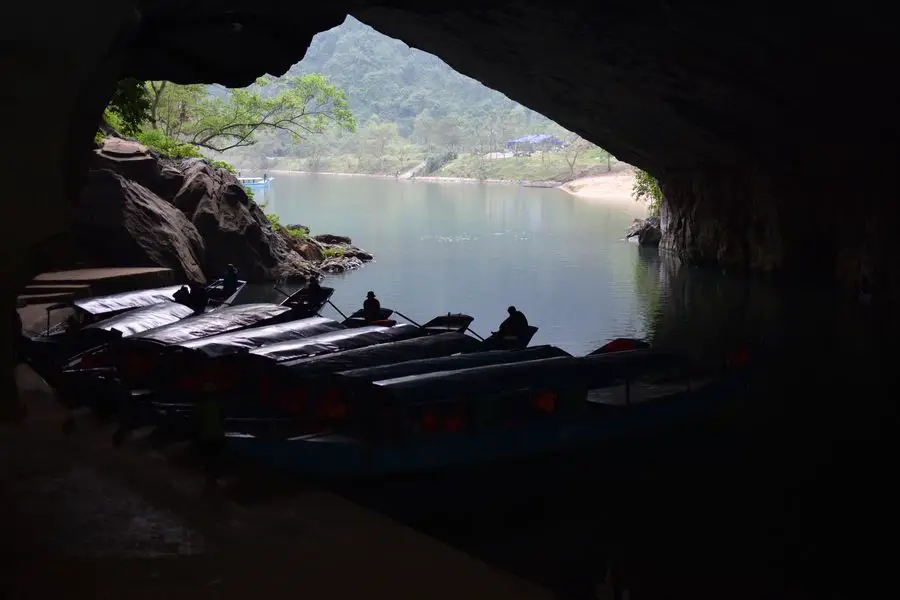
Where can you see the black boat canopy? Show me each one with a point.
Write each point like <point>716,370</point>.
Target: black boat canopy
<point>229,318</point>
<point>441,344</point>
<point>102,305</point>
<point>447,363</point>
<point>552,373</point>
<point>143,319</point>
<point>337,341</point>
<point>248,339</point>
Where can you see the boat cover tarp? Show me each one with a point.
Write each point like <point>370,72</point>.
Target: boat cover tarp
<point>360,315</point>
<point>249,339</point>
<point>555,373</point>
<point>337,341</point>
<point>448,363</point>
<point>102,305</point>
<point>229,318</point>
<point>441,344</point>
<point>143,319</point>
<point>458,322</point>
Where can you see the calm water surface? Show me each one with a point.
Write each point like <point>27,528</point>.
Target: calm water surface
<point>477,248</point>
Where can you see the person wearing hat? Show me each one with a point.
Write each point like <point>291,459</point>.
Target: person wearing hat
<point>372,307</point>
<point>515,324</point>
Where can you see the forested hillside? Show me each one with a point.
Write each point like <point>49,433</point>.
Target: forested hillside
<point>410,107</point>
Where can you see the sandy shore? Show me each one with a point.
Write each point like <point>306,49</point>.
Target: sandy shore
<point>614,187</point>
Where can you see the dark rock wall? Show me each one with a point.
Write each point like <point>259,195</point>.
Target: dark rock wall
<point>759,120</point>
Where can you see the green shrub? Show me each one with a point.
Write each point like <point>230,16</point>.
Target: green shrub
<point>221,164</point>
<point>646,188</point>
<point>333,252</point>
<point>168,147</point>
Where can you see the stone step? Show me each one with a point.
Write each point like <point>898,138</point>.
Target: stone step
<point>110,280</point>
<point>78,290</point>
<point>52,298</point>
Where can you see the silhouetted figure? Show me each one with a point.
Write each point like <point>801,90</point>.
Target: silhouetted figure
<point>372,307</point>
<point>515,325</point>
<point>199,298</point>
<point>183,296</point>
<point>266,176</point>
<point>230,281</point>
<point>313,286</point>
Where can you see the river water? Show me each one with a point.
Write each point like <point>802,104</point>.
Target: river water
<point>478,248</point>
<point>691,511</point>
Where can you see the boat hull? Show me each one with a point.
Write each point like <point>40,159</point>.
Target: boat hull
<point>334,455</point>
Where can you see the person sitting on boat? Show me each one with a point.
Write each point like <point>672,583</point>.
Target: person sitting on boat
<point>515,325</point>
<point>372,307</point>
<point>199,298</point>
<point>183,296</point>
<point>230,281</point>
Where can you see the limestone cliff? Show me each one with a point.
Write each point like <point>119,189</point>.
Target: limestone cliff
<point>138,209</point>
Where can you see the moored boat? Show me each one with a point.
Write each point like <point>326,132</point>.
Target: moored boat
<point>259,387</point>
<point>149,357</point>
<point>66,339</point>
<point>47,354</point>
<point>448,419</point>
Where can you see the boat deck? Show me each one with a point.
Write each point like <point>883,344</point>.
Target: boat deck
<point>85,519</point>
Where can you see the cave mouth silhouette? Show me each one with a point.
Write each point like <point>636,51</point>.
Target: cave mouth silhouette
<point>773,136</point>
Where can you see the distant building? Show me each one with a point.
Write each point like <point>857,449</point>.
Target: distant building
<point>529,143</point>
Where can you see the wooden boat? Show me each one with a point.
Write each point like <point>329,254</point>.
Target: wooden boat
<point>58,343</point>
<point>355,380</point>
<point>144,359</point>
<point>258,386</point>
<point>97,308</point>
<point>496,341</point>
<point>492,413</point>
<point>255,181</point>
<point>47,354</point>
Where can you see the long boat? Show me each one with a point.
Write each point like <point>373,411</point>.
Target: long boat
<point>448,419</point>
<point>256,385</point>
<point>44,352</point>
<point>46,355</point>
<point>146,358</point>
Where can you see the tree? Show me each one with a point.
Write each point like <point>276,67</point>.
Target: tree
<point>296,105</point>
<point>646,188</point>
<point>575,146</point>
<point>130,102</point>
<point>378,137</point>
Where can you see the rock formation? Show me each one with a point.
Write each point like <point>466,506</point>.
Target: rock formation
<point>140,210</point>
<point>647,231</point>
<point>745,120</point>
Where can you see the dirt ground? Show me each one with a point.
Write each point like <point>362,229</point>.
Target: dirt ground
<point>83,519</point>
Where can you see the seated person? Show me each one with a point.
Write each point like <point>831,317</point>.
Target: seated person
<point>371,307</point>
<point>515,325</point>
<point>309,295</point>
<point>183,296</point>
<point>230,281</point>
<point>199,298</point>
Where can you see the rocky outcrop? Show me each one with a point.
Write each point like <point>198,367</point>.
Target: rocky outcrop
<point>195,218</point>
<point>125,224</point>
<point>647,231</point>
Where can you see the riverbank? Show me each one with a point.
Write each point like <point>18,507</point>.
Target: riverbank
<point>613,187</point>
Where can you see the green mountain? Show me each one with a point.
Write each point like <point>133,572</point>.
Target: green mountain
<point>416,114</point>
<point>385,78</point>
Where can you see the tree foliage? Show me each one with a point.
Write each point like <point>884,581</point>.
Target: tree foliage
<point>296,105</point>
<point>130,103</point>
<point>646,189</point>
